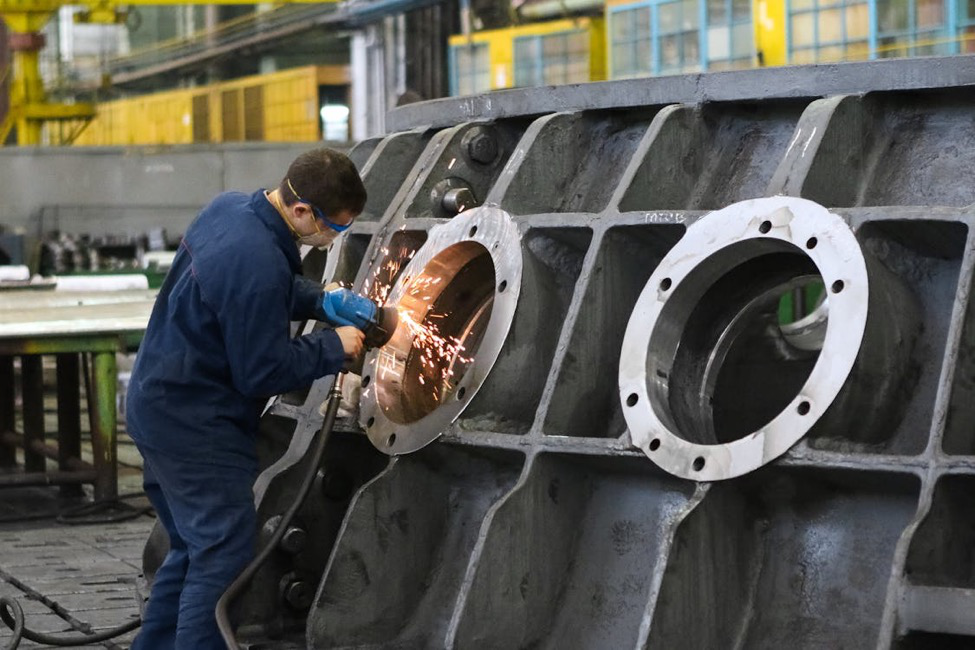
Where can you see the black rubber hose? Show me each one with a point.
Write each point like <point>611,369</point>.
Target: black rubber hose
<point>234,590</point>
<point>10,607</point>
<point>13,616</point>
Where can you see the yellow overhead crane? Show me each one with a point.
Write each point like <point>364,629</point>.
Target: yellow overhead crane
<point>28,107</point>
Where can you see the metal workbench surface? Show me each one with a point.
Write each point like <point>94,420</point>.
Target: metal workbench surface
<point>49,313</point>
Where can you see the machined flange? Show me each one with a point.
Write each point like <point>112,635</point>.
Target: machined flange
<point>713,385</point>
<point>464,285</point>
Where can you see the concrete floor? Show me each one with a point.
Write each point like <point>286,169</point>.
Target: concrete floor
<point>73,579</point>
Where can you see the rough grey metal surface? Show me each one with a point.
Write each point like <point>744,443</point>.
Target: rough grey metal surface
<point>535,523</point>
<point>801,82</point>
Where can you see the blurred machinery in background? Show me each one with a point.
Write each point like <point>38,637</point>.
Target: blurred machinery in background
<point>408,50</point>
<point>597,426</point>
<point>64,254</point>
<point>29,107</point>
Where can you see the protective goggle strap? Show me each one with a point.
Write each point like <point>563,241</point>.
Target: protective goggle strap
<point>318,211</point>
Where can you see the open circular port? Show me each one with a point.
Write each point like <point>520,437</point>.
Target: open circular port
<point>444,312</point>
<point>456,300</point>
<point>734,369</point>
<point>736,348</point>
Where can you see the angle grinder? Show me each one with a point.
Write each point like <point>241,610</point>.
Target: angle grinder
<point>345,308</point>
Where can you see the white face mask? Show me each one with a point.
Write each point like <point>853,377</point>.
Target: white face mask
<point>320,240</point>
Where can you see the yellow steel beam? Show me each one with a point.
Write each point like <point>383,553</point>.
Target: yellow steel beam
<point>6,125</point>
<point>28,19</point>
<point>770,19</point>
<point>49,112</point>
<point>30,6</point>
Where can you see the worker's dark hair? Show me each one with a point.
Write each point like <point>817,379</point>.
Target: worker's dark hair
<point>327,179</point>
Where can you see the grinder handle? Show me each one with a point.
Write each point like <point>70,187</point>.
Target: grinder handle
<point>343,307</point>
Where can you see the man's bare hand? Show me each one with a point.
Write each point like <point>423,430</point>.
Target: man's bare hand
<point>352,339</point>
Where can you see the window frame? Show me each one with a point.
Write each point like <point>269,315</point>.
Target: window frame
<point>948,34</point>
<point>637,72</point>
<point>538,61</point>
<point>454,67</point>
<point>702,61</point>
<point>730,25</point>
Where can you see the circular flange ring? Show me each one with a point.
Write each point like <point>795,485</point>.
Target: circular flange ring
<point>480,232</point>
<point>653,332</point>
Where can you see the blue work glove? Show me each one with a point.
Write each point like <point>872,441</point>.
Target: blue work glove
<point>344,308</point>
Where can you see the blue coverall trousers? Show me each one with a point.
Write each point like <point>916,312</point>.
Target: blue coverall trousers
<point>208,511</point>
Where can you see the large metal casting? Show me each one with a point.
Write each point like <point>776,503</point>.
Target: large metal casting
<point>656,232</point>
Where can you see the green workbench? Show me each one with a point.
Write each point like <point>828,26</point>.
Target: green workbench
<point>83,332</point>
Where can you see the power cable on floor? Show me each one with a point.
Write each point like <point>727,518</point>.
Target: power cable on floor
<point>12,615</point>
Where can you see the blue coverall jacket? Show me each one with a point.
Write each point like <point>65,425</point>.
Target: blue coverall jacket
<point>217,346</point>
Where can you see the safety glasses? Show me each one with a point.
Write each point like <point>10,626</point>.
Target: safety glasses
<point>319,215</point>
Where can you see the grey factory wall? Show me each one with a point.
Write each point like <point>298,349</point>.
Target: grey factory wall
<point>114,190</point>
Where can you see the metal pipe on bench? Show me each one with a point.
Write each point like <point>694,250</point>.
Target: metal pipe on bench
<point>47,478</point>
<point>47,449</point>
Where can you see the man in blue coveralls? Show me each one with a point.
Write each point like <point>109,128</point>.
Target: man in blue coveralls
<point>217,346</point>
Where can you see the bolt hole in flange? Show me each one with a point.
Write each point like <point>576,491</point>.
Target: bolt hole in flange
<point>734,326</point>
<point>454,318</point>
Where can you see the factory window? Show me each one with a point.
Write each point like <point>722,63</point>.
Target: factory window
<point>470,69</point>
<point>730,35</point>
<point>912,28</point>
<point>335,122</point>
<point>678,37</point>
<point>551,59</point>
<point>632,42</point>
<point>828,30</point>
